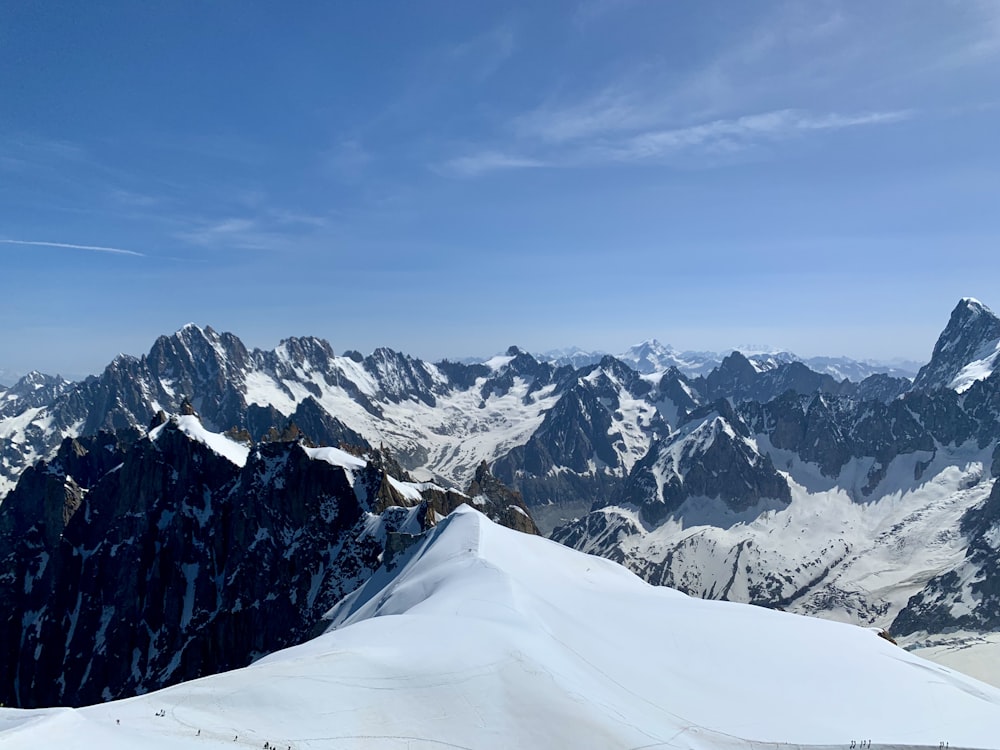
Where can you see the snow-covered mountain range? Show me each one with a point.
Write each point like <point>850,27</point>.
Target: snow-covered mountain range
<point>130,567</point>
<point>651,356</point>
<point>873,502</point>
<point>479,637</point>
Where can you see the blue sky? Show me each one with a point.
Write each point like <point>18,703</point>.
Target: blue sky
<point>449,178</point>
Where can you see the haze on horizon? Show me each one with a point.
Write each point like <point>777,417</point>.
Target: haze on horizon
<point>448,180</point>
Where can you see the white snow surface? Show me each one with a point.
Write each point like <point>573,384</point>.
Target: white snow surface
<point>857,558</point>
<point>482,637</point>
<point>976,654</point>
<point>336,457</point>
<point>980,368</point>
<point>443,442</point>
<point>351,463</point>
<point>191,426</point>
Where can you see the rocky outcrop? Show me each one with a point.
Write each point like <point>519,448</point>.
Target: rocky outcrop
<point>971,327</point>
<point>31,391</point>
<point>128,568</point>
<point>522,365</point>
<point>585,444</point>
<point>739,379</point>
<point>488,494</point>
<point>712,455</point>
<point>966,597</point>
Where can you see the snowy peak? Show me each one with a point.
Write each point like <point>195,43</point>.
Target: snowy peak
<point>588,440</point>
<point>573,356</point>
<point>649,356</point>
<point>693,655</point>
<point>190,425</point>
<point>966,351</point>
<point>653,357</point>
<point>31,391</point>
<point>200,351</point>
<point>711,456</point>
<point>308,352</point>
<point>400,377</point>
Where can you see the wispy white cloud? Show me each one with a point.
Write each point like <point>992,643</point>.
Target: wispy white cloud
<point>714,137</point>
<point>484,54</point>
<point>232,231</point>
<point>616,108</point>
<point>70,246</point>
<point>728,135</point>
<point>797,71</point>
<point>981,42</point>
<point>134,199</point>
<point>270,229</point>
<point>487,161</point>
<point>745,73</point>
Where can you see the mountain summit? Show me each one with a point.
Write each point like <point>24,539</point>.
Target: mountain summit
<point>966,351</point>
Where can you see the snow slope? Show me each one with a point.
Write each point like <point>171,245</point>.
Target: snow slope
<point>832,551</point>
<point>976,654</point>
<point>191,426</point>
<point>485,638</point>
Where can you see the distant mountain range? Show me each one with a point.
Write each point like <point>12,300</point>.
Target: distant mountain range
<point>651,356</point>
<point>202,465</point>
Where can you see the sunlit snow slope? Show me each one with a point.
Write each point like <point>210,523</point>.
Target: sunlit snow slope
<point>481,637</point>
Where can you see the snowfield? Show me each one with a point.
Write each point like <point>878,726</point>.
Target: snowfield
<point>481,637</point>
<point>833,551</point>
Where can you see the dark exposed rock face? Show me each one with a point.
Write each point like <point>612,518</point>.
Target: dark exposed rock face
<point>881,387</point>
<point>867,440</point>
<point>609,437</point>
<point>830,431</point>
<point>678,389</point>
<point>317,423</point>
<point>710,456</point>
<point>401,377</point>
<point>736,378</point>
<point>233,387</point>
<point>487,490</point>
<point>577,452</point>
<point>941,606</point>
<point>30,392</point>
<point>971,325</point>
<point>522,364</point>
<point>130,568</point>
<point>463,376</point>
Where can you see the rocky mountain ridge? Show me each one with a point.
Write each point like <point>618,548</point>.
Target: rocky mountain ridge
<point>650,356</point>
<point>857,499</point>
<point>131,567</point>
<point>776,485</point>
